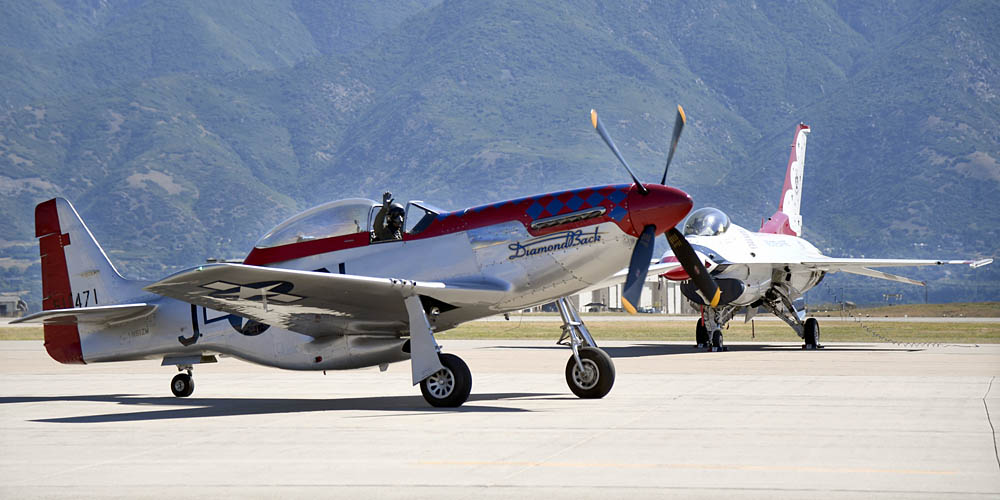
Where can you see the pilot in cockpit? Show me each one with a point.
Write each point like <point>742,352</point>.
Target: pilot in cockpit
<point>389,220</point>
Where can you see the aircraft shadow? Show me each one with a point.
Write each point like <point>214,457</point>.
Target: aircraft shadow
<point>195,407</point>
<point>640,350</point>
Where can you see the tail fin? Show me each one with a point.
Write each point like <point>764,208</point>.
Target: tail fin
<point>788,220</point>
<point>75,273</point>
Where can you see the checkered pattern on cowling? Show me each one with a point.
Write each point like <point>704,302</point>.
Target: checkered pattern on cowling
<point>551,204</point>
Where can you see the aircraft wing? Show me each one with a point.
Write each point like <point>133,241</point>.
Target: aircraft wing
<point>864,267</point>
<point>836,264</point>
<point>313,303</point>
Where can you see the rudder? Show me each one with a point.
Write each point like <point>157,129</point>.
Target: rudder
<point>788,219</point>
<point>75,273</point>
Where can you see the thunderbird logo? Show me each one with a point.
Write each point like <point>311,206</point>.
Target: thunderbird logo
<point>552,242</point>
<point>272,291</point>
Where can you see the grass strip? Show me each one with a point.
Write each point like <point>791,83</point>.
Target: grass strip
<point>830,331</point>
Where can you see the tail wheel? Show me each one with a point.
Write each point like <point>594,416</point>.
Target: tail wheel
<point>182,385</point>
<point>450,386</point>
<point>701,334</point>
<point>811,333</point>
<point>597,376</point>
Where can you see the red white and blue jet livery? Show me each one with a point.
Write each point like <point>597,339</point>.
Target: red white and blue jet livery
<point>771,268</point>
<point>319,292</point>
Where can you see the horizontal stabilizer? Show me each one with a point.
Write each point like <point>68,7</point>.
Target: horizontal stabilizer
<point>96,315</point>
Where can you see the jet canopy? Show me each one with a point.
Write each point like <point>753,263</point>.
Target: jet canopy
<point>706,221</point>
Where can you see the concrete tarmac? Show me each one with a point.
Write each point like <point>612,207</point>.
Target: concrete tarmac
<point>759,421</point>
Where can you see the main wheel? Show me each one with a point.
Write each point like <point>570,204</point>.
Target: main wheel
<point>717,341</point>
<point>450,386</point>
<point>701,334</point>
<point>182,385</point>
<point>597,376</point>
<point>811,333</point>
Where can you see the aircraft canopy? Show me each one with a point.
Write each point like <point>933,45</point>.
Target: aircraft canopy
<point>336,218</point>
<point>706,221</point>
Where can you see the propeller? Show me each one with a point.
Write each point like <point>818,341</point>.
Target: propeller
<point>693,267</point>
<point>638,266</point>
<point>678,126</point>
<point>643,251</point>
<point>614,149</point>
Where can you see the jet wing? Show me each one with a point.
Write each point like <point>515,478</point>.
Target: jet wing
<point>864,267</point>
<point>838,264</point>
<point>98,314</point>
<point>314,303</point>
<point>861,267</point>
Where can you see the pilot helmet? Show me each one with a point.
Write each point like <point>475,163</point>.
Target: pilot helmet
<point>396,212</point>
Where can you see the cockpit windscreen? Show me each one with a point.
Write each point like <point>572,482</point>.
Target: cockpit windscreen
<point>706,221</point>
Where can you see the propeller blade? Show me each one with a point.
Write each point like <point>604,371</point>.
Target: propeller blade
<point>614,149</point>
<point>678,126</point>
<point>638,266</point>
<point>693,266</point>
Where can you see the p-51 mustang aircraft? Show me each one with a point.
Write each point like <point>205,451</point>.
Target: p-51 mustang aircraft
<point>771,268</point>
<point>321,292</point>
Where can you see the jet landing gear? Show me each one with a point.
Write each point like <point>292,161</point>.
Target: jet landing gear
<point>701,337</point>
<point>708,333</point>
<point>810,334</point>
<point>590,373</point>
<point>777,302</point>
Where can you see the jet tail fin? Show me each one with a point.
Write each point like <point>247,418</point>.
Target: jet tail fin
<point>788,220</point>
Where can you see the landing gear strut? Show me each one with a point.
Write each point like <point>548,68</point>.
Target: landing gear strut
<point>776,301</point>
<point>445,380</point>
<point>713,319</point>
<point>590,373</point>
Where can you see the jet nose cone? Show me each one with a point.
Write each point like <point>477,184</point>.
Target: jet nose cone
<point>662,206</point>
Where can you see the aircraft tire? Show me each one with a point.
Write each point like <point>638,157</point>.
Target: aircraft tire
<point>600,376</point>
<point>450,386</point>
<point>718,344</point>
<point>811,333</point>
<point>182,385</point>
<point>701,334</point>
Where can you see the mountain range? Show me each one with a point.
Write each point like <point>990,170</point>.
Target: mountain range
<point>184,130</point>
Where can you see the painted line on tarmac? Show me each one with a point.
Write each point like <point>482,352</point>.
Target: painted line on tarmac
<point>612,465</point>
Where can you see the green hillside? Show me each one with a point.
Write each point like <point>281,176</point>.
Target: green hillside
<point>183,130</point>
